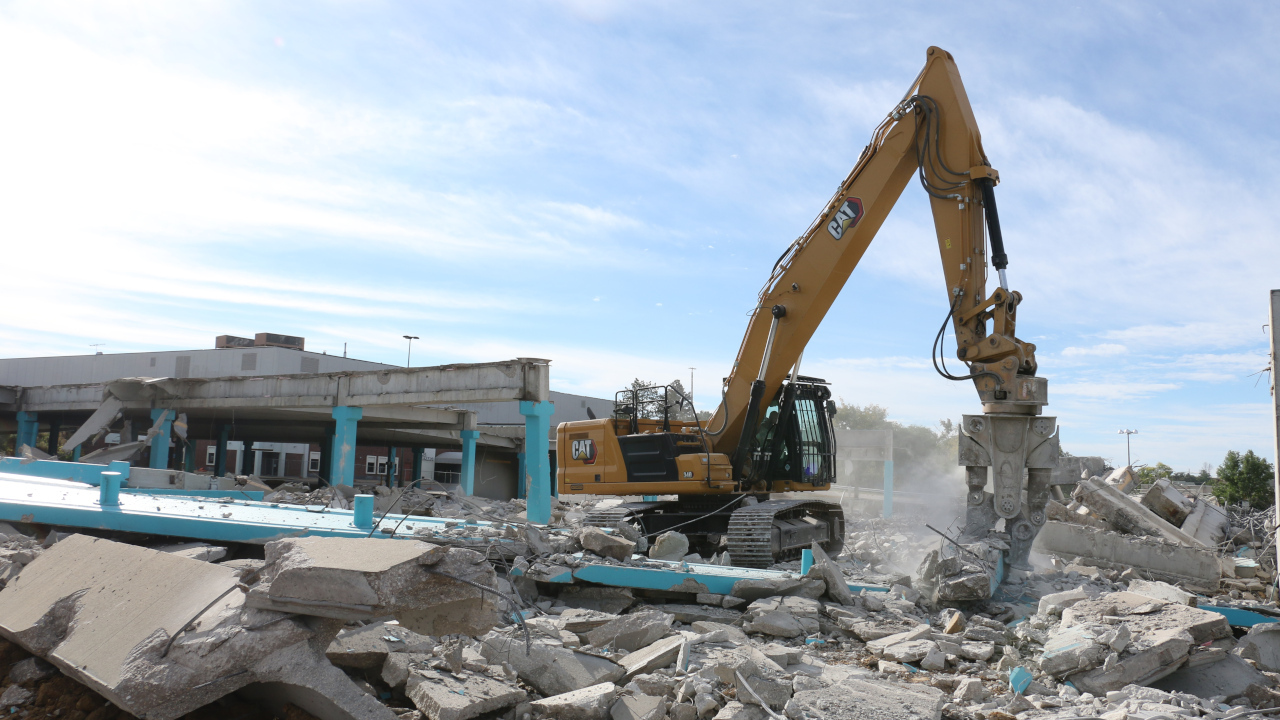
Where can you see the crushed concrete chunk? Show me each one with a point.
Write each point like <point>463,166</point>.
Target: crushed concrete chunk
<point>776,623</point>
<point>638,707</point>
<point>63,602</point>
<point>609,600</point>
<point>669,545</point>
<point>551,669</point>
<point>445,696</point>
<point>1161,591</point>
<point>658,655</point>
<point>397,667</point>
<point>1168,502</point>
<point>755,589</point>
<point>605,544</point>
<point>589,703</point>
<point>870,699</point>
<point>632,632</point>
<point>1055,603</point>
<point>368,647</point>
<point>1262,645</point>
<point>364,579</point>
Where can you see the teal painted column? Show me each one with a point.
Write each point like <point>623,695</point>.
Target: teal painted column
<point>537,430</point>
<point>75,454</point>
<point>343,469</point>
<point>417,466</point>
<point>160,443</point>
<point>189,455</point>
<point>28,431</point>
<point>220,452</point>
<point>468,479</point>
<point>888,489</point>
<point>393,480</point>
<point>521,490</point>
<point>806,561</point>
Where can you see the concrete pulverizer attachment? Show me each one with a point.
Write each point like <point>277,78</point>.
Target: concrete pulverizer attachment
<point>1021,450</point>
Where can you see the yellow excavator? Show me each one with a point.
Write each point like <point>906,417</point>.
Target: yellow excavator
<point>772,432</point>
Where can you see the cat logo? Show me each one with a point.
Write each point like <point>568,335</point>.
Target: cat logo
<point>584,450</point>
<point>846,217</point>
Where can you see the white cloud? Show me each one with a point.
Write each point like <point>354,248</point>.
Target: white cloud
<point>1103,350</point>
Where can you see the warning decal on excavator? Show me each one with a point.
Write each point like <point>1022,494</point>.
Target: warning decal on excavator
<point>846,217</point>
<point>584,450</point>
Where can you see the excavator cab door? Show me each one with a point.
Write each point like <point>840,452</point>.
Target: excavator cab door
<point>794,441</point>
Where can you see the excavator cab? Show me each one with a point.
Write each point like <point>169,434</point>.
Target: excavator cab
<point>794,442</point>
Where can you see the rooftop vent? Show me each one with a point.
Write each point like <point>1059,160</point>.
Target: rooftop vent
<point>231,341</point>
<point>284,341</point>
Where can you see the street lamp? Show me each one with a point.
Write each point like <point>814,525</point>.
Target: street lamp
<point>1128,456</point>
<point>691,382</point>
<point>408,357</point>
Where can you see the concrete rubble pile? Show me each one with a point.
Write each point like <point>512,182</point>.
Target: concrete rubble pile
<point>482,616</point>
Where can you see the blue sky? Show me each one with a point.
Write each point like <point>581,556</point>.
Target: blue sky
<point>607,184</point>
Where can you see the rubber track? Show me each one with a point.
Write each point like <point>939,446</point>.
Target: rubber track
<point>750,536</point>
<point>609,517</point>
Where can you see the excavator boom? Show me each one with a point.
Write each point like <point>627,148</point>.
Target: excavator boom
<point>932,133</point>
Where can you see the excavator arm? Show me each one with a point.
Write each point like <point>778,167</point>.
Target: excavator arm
<point>932,135</point>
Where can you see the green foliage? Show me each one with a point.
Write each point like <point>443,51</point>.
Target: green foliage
<point>1245,478</point>
<point>919,452</point>
<point>1152,473</point>
<point>651,400</point>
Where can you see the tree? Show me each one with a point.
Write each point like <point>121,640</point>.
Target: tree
<point>650,399</point>
<point>1245,478</point>
<point>1150,474</point>
<point>920,453</point>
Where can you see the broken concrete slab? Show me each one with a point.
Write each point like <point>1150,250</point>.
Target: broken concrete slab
<point>690,614</point>
<point>632,632</point>
<point>1197,566</point>
<point>106,614</point>
<point>1128,515</point>
<point>196,551</point>
<point>755,589</point>
<point>1168,502</point>
<point>1055,510</point>
<point>1055,603</point>
<point>397,667</point>
<point>776,623</point>
<point>858,698</point>
<point>1146,616</point>
<point>656,656</point>
<point>1207,523</point>
<point>445,696</point>
<point>551,669</point>
<point>612,600</point>
<point>589,703</point>
<point>1157,590</point>
<point>1262,645</point>
<point>367,647</point>
<point>638,707</point>
<point>836,586</point>
<point>363,579</point>
<point>1228,677</point>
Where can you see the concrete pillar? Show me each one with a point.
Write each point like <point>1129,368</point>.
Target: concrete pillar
<point>189,455</point>
<point>537,430</point>
<point>887,511</point>
<point>806,561</point>
<point>55,431</point>
<point>343,469</point>
<point>362,512</point>
<point>326,457</point>
<point>220,451</point>
<point>109,489</point>
<point>392,479</point>
<point>244,459</point>
<point>468,479</point>
<point>75,454</point>
<point>28,431</point>
<point>417,466</point>
<point>521,489</point>
<point>160,443</point>
<point>1275,396</point>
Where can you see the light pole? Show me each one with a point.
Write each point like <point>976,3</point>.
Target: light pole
<point>691,382</point>
<point>409,357</point>
<point>1128,456</point>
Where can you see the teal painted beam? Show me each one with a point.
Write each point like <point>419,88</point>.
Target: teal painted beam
<point>468,477</point>
<point>45,501</point>
<point>28,430</point>
<point>343,471</point>
<point>58,470</point>
<point>1239,617</point>
<point>160,443</point>
<point>537,430</point>
<point>658,575</point>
